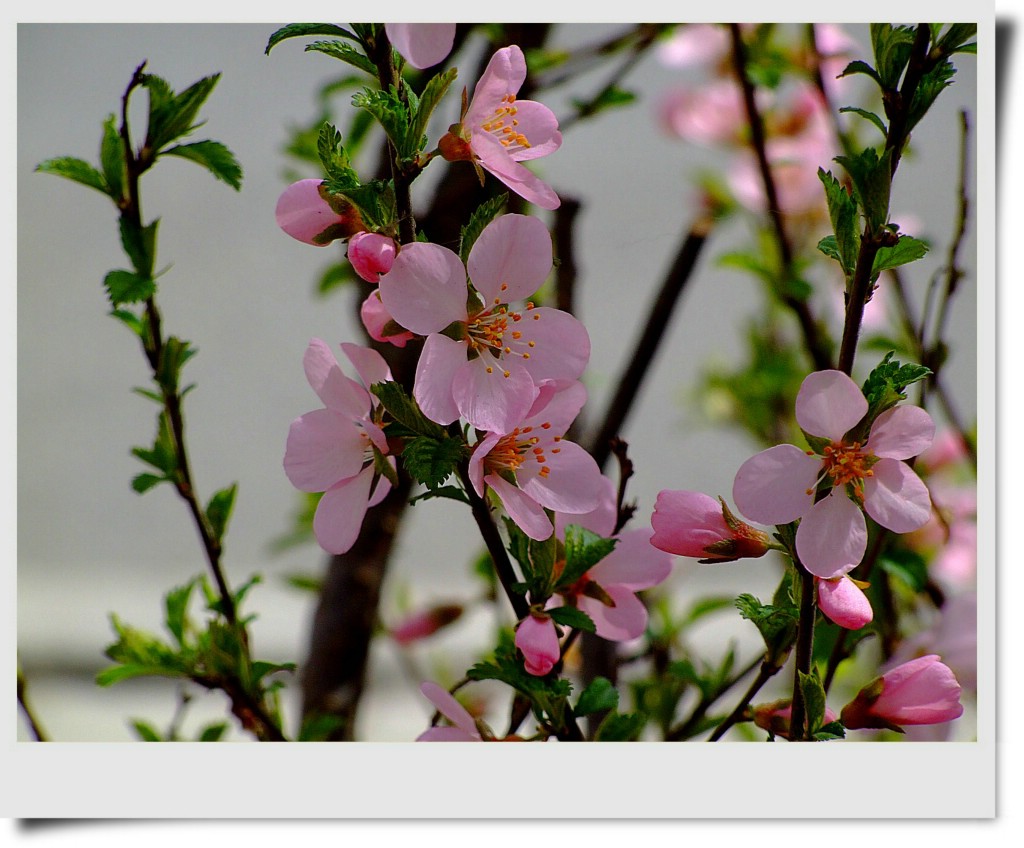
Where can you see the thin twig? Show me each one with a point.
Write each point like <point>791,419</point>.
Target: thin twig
<point>765,673</point>
<point>30,717</point>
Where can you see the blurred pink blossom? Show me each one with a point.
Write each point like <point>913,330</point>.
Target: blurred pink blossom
<point>463,726</point>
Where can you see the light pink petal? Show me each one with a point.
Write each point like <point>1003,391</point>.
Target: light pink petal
<point>380,491</point>
<point>556,407</point>
<point>776,486</point>
<point>504,74</point>
<point>376,435</point>
<point>922,691</point>
<point>338,392</point>
<point>896,498</point>
<point>828,404</point>
<point>476,460</point>
<point>832,537</point>
<point>376,319</point>
<point>634,564</point>
<point>560,344</point>
<point>493,395</point>
<point>600,520</point>
<point>901,432</point>
<point>425,290</point>
<point>370,365</point>
<point>537,639</point>
<point>444,733</point>
<point>521,508</point>
<point>495,159</point>
<point>422,45</point>
<point>449,707</point>
<point>687,522</point>
<point>843,602</point>
<point>620,623</point>
<point>439,361</point>
<point>540,126</point>
<point>371,254</point>
<point>512,251</point>
<point>573,484</point>
<point>323,447</point>
<point>339,515</point>
<point>303,214</point>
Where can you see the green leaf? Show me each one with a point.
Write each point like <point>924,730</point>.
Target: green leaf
<point>176,610</point>
<point>830,731</point>
<point>335,276</point>
<point>892,47</point>
<point>392,114</point>
<point>128,287</point>
<point>305,31</point>
<point>432,94</point>
<point>871,184</point>
<point>162,455</point>
<point>573,617</point>
<point>928,89</point>
<point>333,157</point>
<point>956,38</point>
<point>213,732</point>
<point>886,383</point>
<point>145,731</point>
<point>451,492</point>
<point>75,169</point>
<point>583,550</point>
<point>859,67</point>
<point>598,697</point>
<point>112,158</point>
<point>320,727</point>
<point>432,461</point>
<point>218,510</point>
<point>405,411</point>
<point>140,245</point>
<point>173,356</point>
<point>213,156</point>
<point>814,700</point>
<point>172,116</point>
<point>777,625</point>
<point>907,249</point>
<point>375,202</point>
<point>907,565</point>
<point>621,727</point>
<point>842,212</point>
<point>144,482</point>
<point>481,217</point>
<point>345,52</point>
<point>868,116</point>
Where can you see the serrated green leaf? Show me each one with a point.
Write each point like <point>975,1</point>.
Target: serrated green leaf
<point>928,89</point>
<point>162,455</point>
<point>405,411</point>
<point>868,116</point>
<point>171,117</point>
<point>814,701</point>
<point>432,461</point>
<point>599,696</point>
<point>132,321</point>
<point>776,624</point>
<point>572,617</point>
<point>432,95</point>
<point>451,492</point>
<point>112,158</point>
<point>583,550</point>
<point>77,170</point>
<point>892,47</point>
<point>128,287</point>
<point>621,727</point>
<point>872,180</point>
<point>173,356</point>
<point>140,245</point>
<point>333,158</point>
<point>345,52</point>
<point>886,384</point>
<point>213,732</point>
<point>176,610</point>
<point>842,212</point>
<point>907,249</point>
<point>218,510</point>
<point>481,217</point>
<point>305,31</point>
<point>859,67</point>
<point>213,156</point>
<point>392,114</point>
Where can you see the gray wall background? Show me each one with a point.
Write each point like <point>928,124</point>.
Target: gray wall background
<point>242,292</point>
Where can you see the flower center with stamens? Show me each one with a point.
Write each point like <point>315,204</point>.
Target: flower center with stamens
<point>847,464</point>
<point>516,449</point>
<point>488,331</point>
<point>503,125</point>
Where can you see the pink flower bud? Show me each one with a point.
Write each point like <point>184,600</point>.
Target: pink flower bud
<point>379,324</point>
<point>425,623</point>
<point>537,639</point>
<point>371,255</point>
<point>922,691</point>
<point>696,525</point>
<point>304,212</point>
<point>775,717</point>
<point>842,601</point>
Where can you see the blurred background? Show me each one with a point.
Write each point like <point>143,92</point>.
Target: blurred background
<point>245,294</point>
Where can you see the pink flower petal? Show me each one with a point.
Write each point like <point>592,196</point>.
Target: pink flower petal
<point>634,564</point>
<point>557,344</point>
<point>338,392</point>
<point>540,126</point>
<point>450,708</point>
<point>476,460</point>
<point>832,537</point>
<point>370,365</point>
<point>556,408</point>
<point>896,498</point>
<point>425,290</point>
<point>323,447</point>
<point>504,74</point>
<point>443,733</point>
<point>600,520</point>
<point>776,486</point>
<point>620,623</point>
<point>371,254</point>
<point>537,639</point>
<point>493,397</point>
<point>901,432</point>
<point>380,491</point>
<point>495,159</point>
<point>828,404</point>
<point>512,251</point>
<point>686,522</point>
<point>572,485</point>
<point>843,602</point>
<point>422,45</point>
<point>521,508</point>
<point>376,319</point>
<point>440,360</point>
<point>339,515</point>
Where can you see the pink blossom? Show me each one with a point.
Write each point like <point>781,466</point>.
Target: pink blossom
<point>607,592</point>
<point>778,485</point>
<point>548,471</point>
<point>371,255</point>
<point>693,524</point>
<point>307,213</point>
<point>497,132</point>
<point>422,45</point>
<point>463,726</point>
<point>537,638</point>
<point>842,601</point>
<point>424,623</point>
<point>695,44</point>
<point>331,450</point>
<point>379,324</point>
<point>776,716</point>
<point>709,114</point>
<point>922,691</point>
<point>485,362</point>
<point>953,635</point>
